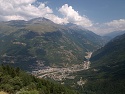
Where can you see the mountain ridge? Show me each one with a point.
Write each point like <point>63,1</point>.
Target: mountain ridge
<point>115,33</point>
<point>110,59</point>
<point>46,42</point>
<point>107,71</point>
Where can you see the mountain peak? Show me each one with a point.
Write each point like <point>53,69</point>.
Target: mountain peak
<point>40,20</point>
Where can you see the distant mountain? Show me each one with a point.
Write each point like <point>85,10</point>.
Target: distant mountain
<point>115,33</point>
<point>38,42</point>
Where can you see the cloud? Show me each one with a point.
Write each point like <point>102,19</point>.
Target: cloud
<point>56,19</point>
<point>73,16</point>
<point>117,24</point>
<point>28,9</point>
<point>22,9</point>
<point>104,28</point>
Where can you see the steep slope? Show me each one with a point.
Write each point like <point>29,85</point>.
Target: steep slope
<point>40,42</point>
<point>111,58</point>
<point>111,54</point>
<point>107,72</point>
<point>16,81</point>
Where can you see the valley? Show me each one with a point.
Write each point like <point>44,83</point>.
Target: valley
<point>62,47</point>
<point>63,73</point>
<point>64,54</point>
<point>40,43</point>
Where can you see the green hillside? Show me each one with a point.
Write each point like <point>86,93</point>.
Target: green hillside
<point>41,42</point>
<point>111,55</point>
<point>15,81</point>
<point>33,44</point>
<point>107,72</point>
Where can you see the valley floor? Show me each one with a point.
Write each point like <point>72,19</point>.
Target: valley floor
<point>60,74</point>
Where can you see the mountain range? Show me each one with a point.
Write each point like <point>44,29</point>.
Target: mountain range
<point>41,42</point>
<point>115,33</point>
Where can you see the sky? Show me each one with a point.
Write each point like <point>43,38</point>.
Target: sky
<point>99,16</point>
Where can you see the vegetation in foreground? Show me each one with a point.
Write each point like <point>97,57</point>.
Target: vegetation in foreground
<point>15,81</point>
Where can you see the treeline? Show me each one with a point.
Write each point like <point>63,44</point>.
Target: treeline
<point>15,81</point>
<point>104,86</point>
<point>103,82</point>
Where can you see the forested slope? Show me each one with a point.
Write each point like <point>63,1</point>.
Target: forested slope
<point>15,81</point>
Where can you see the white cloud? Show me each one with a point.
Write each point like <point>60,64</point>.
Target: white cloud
<point>104,28</point>
<point>117,24</point>
<point>20,2</point>
<point>25,10</point>
<point>28,9</point>
<point>56,19</point>
<point>22,9</point>
<point>73,16</point>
